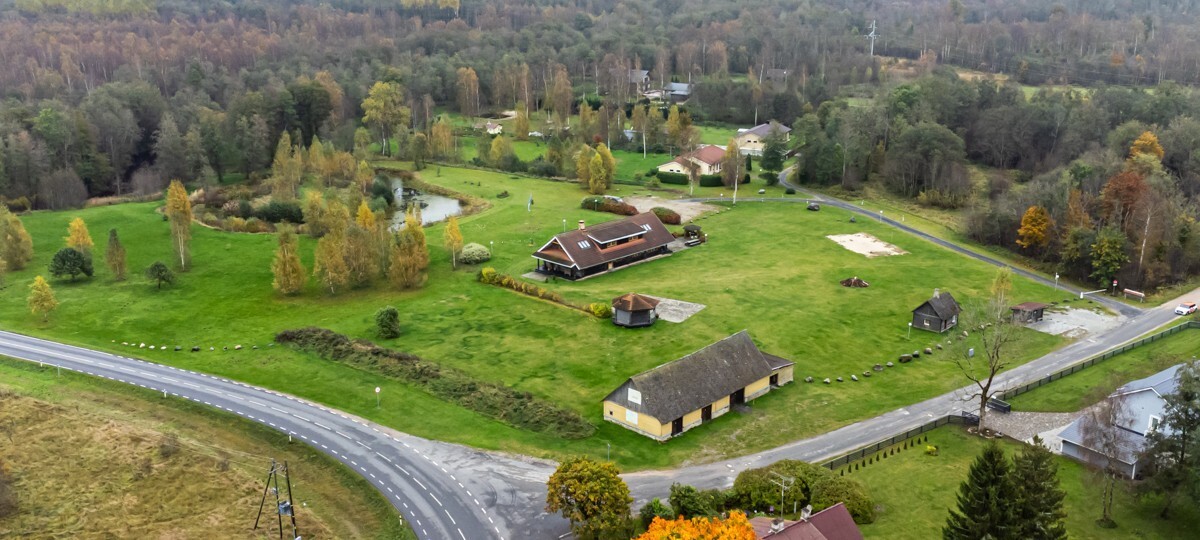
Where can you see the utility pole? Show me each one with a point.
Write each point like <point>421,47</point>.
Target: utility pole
<point>784,483</point>
<point>282,507</point>
<point>872,36</point>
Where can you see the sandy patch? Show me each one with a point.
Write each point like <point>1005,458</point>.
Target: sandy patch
<point>867,245</point>
<point>687,210</point>
<point>1076,323</point>
<point>675,311</point>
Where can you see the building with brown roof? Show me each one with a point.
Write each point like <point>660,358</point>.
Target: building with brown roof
<point>1028,312</point>
<point>707,160</point>
<point>680,395</point>
<point>633,310</point>
<point>588,251</point>
<point>833,523</point>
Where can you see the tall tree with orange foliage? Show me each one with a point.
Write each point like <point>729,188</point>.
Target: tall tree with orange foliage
<point>1035,228</point>
<point>1146,143</point>
<point>736,527</point>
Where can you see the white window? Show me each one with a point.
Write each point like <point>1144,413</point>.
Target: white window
<point>631,417</point>
<point>635,396</point>
<point>1154,422</point>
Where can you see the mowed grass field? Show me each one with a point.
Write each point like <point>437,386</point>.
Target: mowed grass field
<point>915,492</point>
<point>95,459</point>
<point>1073,392</point>
<point>768,268</point>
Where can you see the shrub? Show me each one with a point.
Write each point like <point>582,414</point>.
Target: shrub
<point>655,508</point>
<point>235,224</point>
<point>231,208</point>
<point>830,490</point>
<point>541,167</point>
<point>518,409</point>
<point>387,322</point>
<point>211,219</point>
<point>653,183</point>
<point>278,212</point>
<point>672,178</point>
<point>790,191</point>
<point>753,489</point>
<point>474,253</point>
<point>605,204</point>
<point>769,177</point>
<point>690,502</point>
<point>382,188</point>
<point>666,215</point>
<point>255,225</point>
<point>488,275</point>
<point>601,310</point>
<point>711,180</point>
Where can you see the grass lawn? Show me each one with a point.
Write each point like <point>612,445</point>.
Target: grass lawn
<point>1071,393</point>
<point>915,492</point>
<point>60,426</point>
<point>768,269</point>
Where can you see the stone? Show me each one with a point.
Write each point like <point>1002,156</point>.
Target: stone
<point>928,350</point>
<point>178,348</point>
<point>939,346</point>
<point>124,343</point>
<point>142,346</point>
<point>808,379</point>
<point>255,347</point>
<point>212,348</point>
<point>854,378</point>
<point>916,354</point>
<point>237,347</point>
<point>152,347</point>
<point>878,367</point>
<point>225,348</point>
<point>196,348</point>
<point>826,381</point>
<point>839,379</point>
<point>965,334</point>
<point>270,344</point>
<point>889,364</point>
<point>905,358</point>
<point>866,374</point>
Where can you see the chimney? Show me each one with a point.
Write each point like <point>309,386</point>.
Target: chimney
<point>806,512</point>
<point>581,227</point>
<point>777,525</point>
<point>936,293</point>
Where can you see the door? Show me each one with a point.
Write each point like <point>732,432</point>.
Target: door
<point>738,398</point>
<point>706,413</point>
<point>677,427</point>
<point>775,380</point>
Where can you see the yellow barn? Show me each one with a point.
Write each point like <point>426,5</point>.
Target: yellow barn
<point>675,397</point>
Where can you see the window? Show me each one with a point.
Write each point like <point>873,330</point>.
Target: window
<point>646,227</point>
<point>1154,422</point>
<point>635,396</point>
<point>631,417</point>
<point>585,244</point>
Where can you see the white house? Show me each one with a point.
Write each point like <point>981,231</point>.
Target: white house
<point>707,159</point>
<point>750,141</point>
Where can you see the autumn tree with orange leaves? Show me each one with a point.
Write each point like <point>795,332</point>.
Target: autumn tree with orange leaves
<point>736,527</point>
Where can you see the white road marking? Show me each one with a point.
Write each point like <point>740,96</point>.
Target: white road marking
<point>451,518</point>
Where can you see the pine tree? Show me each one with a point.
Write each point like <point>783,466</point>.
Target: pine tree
<point>114,256</point>
<point>330,265</point>
<point>1039,502</point>
<point>78,237</point>
<point>17,246</point>
<point>985,500</point>
<point>41,298</point>
<point>453,240</point>
<point>179,213</point>
<point>287,268</point>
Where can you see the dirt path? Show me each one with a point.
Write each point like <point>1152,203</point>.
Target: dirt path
<point>687,210</point>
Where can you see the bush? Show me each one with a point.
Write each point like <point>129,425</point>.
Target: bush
<point>672,178</point>
<point>601,310</point>
<point>753,489</point>
<point>504,404</point>
<point>605,204</point>
<point>790,191</point>
<point>769,177</point>
<point>279,212</point>
<point>666,215</point>
<point>387,322</point>
<point>490,276</point>
<point>255,225</point>
<point>690,502</point>
<point>831,489</point>
<point>653,183</point>
<point>541,167</point>
<point>655,508</point>
<point>474,254</point>
<point>711,180</point>
<point>235,224</point>
<point>382,188</point>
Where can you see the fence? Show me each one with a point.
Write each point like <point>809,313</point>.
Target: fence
<point>966,418</point>
<point>963,419</point>
<point>1007,394</point>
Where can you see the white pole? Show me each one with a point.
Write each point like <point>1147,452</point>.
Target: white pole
<point>377,397</point>
<point>1056,281</point>
<point>909,330</point>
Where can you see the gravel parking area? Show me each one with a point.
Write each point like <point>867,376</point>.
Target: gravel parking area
<point>1076,323</point>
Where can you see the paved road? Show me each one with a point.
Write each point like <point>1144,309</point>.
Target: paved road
<point>445,491</point>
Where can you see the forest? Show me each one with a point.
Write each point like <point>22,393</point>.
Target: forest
<point>115,98</point>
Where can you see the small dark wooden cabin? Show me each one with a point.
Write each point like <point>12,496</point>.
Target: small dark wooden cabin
<point>1028,312</point>
<point>938,314</point>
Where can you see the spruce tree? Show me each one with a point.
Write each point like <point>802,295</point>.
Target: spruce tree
<point>1039,504</point>
<point>985,501</point>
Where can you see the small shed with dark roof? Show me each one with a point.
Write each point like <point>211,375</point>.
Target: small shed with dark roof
<point>677,396</point>
<point>1028,312</point>
<point>938,314</point>
<point>634,310</point>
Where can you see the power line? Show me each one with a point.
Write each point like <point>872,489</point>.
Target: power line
<point>282,507</point>
<point>872,36</point>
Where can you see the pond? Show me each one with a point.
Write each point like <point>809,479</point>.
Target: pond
<point>434,208</point>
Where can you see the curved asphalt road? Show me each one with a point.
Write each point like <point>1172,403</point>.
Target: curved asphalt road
<point>444,491</point>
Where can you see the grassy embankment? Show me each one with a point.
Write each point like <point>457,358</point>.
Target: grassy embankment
<point>915,492</point>
<point>97,459</point>
<point>768,269</point>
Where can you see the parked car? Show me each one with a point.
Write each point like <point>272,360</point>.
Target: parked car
<point>1186,308</point>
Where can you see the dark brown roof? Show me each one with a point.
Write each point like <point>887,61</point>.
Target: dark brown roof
<point>762,130</point>
<point>943,305</point>
<point>833,523</point>
<point>674,389</point>
<point>1030,306</point>
<point>581,247</point>
<point>634,302</point>
<point>709,153</point>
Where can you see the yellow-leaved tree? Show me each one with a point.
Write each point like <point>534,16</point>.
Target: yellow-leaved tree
<point>409,256</point>
<point>364,217</point>
<point>452,239</point>
<point>41,298</point>
<point>1146,143</point>
<point>736,527</point>
<point>78,237</point>
<point>179,213</point>
<point>1035,228</point>
<point>114,256</point>
<point>330,265</point>
<point>16,247</point>
<point>287,268</point>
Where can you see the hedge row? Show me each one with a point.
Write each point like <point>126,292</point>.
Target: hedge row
<point>517,409</point>
<point>490,276</point>
<point>706,180</point>
<point>605,204</point>
<point>666,215</point>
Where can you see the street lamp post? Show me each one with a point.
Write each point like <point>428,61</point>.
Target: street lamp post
<point>377,397</point>
<point>609,445</point>
<point>1056,281</point>
<point>910,330</point>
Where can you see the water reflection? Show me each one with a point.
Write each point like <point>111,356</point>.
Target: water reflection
<point>434,208</point>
